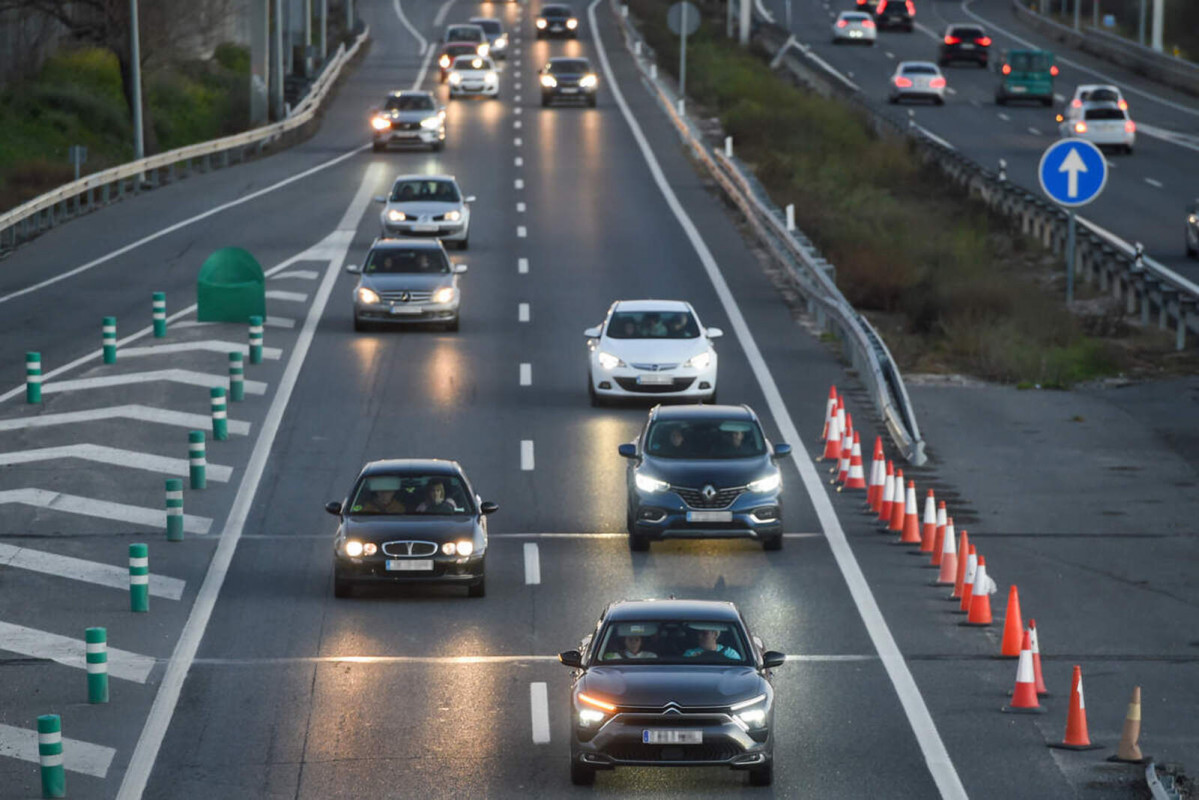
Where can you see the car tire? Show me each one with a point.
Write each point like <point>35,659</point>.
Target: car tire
<point>464,242</point>
<point>581,774</point>
<point>477,589</point>
<point>893,100</point>
<point>762,776</point>
<point>1127,149</point>
<point>545,101</point>
<point>939,101</point>
<point>359,324</point>
<point>454,326</point>
<point>342,589</point>
<point>437,147</point>
<point>638,543</point>
<point>378,147</point>
<point>592,395</point>
<point>591,101</point>
<point>773,543</point>
<point>1047,101</point>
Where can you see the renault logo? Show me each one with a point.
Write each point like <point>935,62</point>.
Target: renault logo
<point>708,491</point>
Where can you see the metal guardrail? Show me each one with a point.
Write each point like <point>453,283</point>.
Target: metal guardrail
<point>71,199</point>
<point>1144,285</point>
<point>812,273</point>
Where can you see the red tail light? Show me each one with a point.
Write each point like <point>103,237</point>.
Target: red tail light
<point>1076,103</point>
<point>903,83</point>
<point>882,4</point>
<point>867,23</point>
<point>983,42</point>
<point>841,23</point>
<point>1007,69</point>
<point>1053,70</point>
<point>1080,127</point>
<point>911,8</point>
<point>937,83</point>
<point>952,39</point>
<point>1130,126</point>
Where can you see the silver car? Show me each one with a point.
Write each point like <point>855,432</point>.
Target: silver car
<point>918,79</point>
<point>409,117</point>
<point>406,281</point>
<point>427,205</point>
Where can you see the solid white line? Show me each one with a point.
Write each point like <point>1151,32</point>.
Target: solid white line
<point>100,509</point>
<point>532,564</point>
<point>923,727</point>
<point>465,660</point>
<point>161,416</point>
<point>521,231</point>
<point>520,208</point>
<point>208,346</point>
<point>1153,183</point>
<point>519,183</point>
<point>441,12</point>
<point>297,274</point>
<point>159,719</point>
<point>526,374</point>
<point>424,45</point>
<point>279,322</point>
<point>186,376</point>
<point>77,756</point>
<point>78,569</point>
<point>70,652</point>
<point>522,312</point>
<point>522,266</point>
<point>935,137</point>
<point>831,70</point>
<point>526,455</point>
<point>539,701</point>
<point>114,457</point>
<point>287,297</point>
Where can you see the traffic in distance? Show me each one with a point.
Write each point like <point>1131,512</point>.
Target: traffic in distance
<point>660,682</point>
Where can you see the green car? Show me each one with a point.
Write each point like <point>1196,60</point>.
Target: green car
<point>1025,75</point>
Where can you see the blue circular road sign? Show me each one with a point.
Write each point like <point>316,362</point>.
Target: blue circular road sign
<point>1073,172</point>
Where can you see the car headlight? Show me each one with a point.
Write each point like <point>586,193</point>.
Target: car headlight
<point>608,361</point>
<point>444,62</point>
<point>588,81</point>
<point>396,216</point>
<point>700,360</point>
<point>572,23</point>
<point>549,81</point>
<point>484,49</point>
<point>464,548</point>
<point>355,548</point>
<point>380,123</point>
<point>368,296</point>
<point>453,215</point>
<point>590,716</point>
<point>1193,219</point>
<point>541,23</point>
<point>767,484</point>
<point>491,77</point>
<point>652,485</point>
<point>587,701</point>
<point>751,713</point>
<point>431,123</point>
<point>455,78</point>
<point>501,42</point>
<point>443,295</point>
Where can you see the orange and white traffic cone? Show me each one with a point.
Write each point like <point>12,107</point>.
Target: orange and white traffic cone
<point>1013,627</point>
<point>968,581</point>
<point>888,496</point>
<point>842,469</point>
<point>949,556</point>
<point>855,479</point>
<point>897,504</point>
<point>939,536</point>
<point>928,532</point>
<point>1076,737</point>
<point>911,525</point>
<point>980,596</point>
<point>830,410</point>
<point>1024,696</point>
<point>878,475</point>
<point>959,579</point>
<point>1036,659</point>
<point>1129,749</point>
<point>832,444</point>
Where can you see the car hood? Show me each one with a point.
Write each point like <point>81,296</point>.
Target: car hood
<point>685,685</point>
<point>430,529</point>
<point>654,351</point>
<point>718,472</point>
<point>410,281</point>
<point>420,208</point>
<point>410,116</point>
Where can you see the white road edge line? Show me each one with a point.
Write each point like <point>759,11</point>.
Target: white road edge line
<point>137,775</point>
<point>526,455</point>
<point>532,564</point>
<point>940,765</point>
<point>526,374</point>
<point>540,706</point>
<point>424,45</point>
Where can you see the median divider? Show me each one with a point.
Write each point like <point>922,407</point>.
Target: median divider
<point>33,378</point>
<point>49,752</point>
<point>158,310</point>
<point>174,505</point>
<point>197,462</point>
<point>139,577</point>
<point>96,643</point>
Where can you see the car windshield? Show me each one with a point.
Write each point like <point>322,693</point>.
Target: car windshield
<point>456,50</point>
<point>1031,62</point>
<point>492,26</point>
<point>411,494</point>
<point>464,33</point>
<point>1104,113</point>
<point>400,261</point>
<point>673,642</point>
<point>653,325</point>
<point>705,439</point>
<point>556,11</point>
<point>472,62</point>
<point>420,190</point>
<point>855,16</point>
<point>569,66</point>
<point>410,102</point>
<point>966,33</point>
<point>919,69</point>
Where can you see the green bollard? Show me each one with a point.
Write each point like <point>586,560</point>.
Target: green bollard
<point>196,460</point>
<point>139,577</point>
<point>97,664</point>
<point>255,340</point>
<point>220,414</point>
<point>159,305</point>
<point>174,510</point>
<point>109,329</point>
<point>237,378</point>
<point>33,377</point>
<point>49,751</point>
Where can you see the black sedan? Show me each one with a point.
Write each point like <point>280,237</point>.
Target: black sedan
<point>567,79</point>
<point>701,472</point>
<point>557,20</point>
<point>964,43</point>
<point>410,521</point>
<point>671,683</point>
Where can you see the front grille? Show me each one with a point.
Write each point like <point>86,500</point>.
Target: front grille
<point>399,549</point>
<point>400,296</point>
<point>405,126</point>
<point>718,751</point>
<point>654,367</point>
<point>681,720</point>
<point>695,498</point>
<point>677,385</point>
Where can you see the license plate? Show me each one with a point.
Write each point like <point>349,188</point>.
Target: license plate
<point>709,516</point>
<point>1019,89</point>
<point>570,91</point>
<point>967,47</point>
<point>410,565</point>
<point>401,310</point>
<point>424,228</point>
<point>556,28</point>
<point>655,380</point>
<point>670,736</point>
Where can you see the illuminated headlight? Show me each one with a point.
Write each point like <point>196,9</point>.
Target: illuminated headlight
<point>354,548</point>
<point>1193,219</point>
<point>588,81</point>
<point>590,716</point>
<point>572,23</point>
<point>455,78</point>
<point>549,81</point>
<point>652,485</point>
<point>491,77</point>
<point>368,296</point>
<point>501,42</point>
<point>608,361</point>
<point>484,49</point>
<point>443,295</point>
<point>396,216</point>
<point>767,484</point>
<point>380,123</point>
<point>444,62</point>
<point>751,713</point>
<point>541,24</point>
<point>453,216</point>
<point>700,360</point>
<point>431,123</point>
<point>458,548</point>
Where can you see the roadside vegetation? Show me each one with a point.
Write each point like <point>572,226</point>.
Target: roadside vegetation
<point>951,287</point>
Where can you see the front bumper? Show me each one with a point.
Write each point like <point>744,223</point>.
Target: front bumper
<point>619,743</point>
<point>627,382</point>
<point>568,92</point>
<point>453,231</point>
<point>664,515</point>
<point>421,136</point>
<point>408,313</point>
<point>558,30</point>
<point>475,89</point>
<point>1121,139</point>
<point>446,569</point>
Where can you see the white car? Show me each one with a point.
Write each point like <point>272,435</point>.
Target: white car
<point>651,348</point>
<point>918,79</point>
<point>473,75</point>
<point>1102,124</point>
<point>427,206</point>
<point>1094,93</point>
<point>854,27</point>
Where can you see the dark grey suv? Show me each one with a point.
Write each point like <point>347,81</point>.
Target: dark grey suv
<point>671,683</point>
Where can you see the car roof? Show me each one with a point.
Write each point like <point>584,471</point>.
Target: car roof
<point>672,609</point>
<point>650,305</point>
<point>1104,104</point>
<point>702,411</point>
<point>556,59</point>
<point>397,242</point>
<point>416,176</point>
<point>1090,87</point>
<point>433,466</point>
<point>922,64</point>
<point>854,15</point>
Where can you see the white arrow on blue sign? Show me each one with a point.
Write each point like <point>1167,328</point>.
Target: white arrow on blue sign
<point>1073,172</point>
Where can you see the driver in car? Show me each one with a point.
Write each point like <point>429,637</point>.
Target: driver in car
<point>708,636</point>
<point>435,501</point>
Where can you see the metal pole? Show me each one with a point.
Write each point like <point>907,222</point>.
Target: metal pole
<point>728,19</point>
<point>324,30</point>
<point>1141,25</point>
<point>350,16</point>
<point>307,24</point>
<point>683,53</point>
<point>1095,13</point>
<point>1077,15</point>
<point>746,18</point>
<point>1070,260</point>
<point>277,64</point>
<point>788,10</point>
<point>139,143</point>
<point>1159,13</point>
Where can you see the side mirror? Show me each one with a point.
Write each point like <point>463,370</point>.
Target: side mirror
<point>772,659</point>
<point>459,269</point>
<point>592,333</point>
<point>470,198</point>
<point>571,658</point>
<point>782,450</point>
<point>333,507</point>
<point>380,199</point>
<point>353,269</point>
<point>628,450</point>
<point>714,333</point>
<point>488,507</point>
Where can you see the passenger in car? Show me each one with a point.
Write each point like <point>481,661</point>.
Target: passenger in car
<point>632,649</point>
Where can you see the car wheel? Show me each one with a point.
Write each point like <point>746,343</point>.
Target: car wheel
<point>378,147</point>
<point>592,395</point>
<point>939,101</point>
<point>591,101</point>
<point>545,100</point>
<point>638,543</point>
<point>893,99</point>
<point>342,589</point>
<point>1191,251</point>
<point>438,147</point>
<point>773,543</point>
<point>1047,101</point>
<point>581,774</point>
<point>453,326</point>
<point>762,776</point>
<point>477,589</point>
<point>359,324</point>
<point>1127,149</point>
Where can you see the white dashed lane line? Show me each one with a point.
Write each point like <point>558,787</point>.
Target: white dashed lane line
<point>1034,131</point>
<point>526,455</point>
<point>520,208</point>
<point>526,374</point>
<point>517,98</point>
<point>889,54</point>
<point>532,564</point>
<point>518,161</point>
<point>522,312</point>
<point>522,266</point>
<point>521,232</point>
<point>516,124</point>
<point>539,702</point>
<point>517,110</point>
<point>518,141</point>
<point>519,183</point>
<point>1005,118</point>
<point>1153,183</point>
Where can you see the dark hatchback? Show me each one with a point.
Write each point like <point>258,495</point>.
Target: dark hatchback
<point>895,14</point>
<point>671,683</point>
<point>410,521</point>
<point>704,472</point>
<point>964,43</point>
<point>567,79</point>
<point>557,20</point>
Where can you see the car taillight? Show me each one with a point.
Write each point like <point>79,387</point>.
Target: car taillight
<point>1076,103</point>
<point>867,23</point>
<point>881,5</point>
<point>1130,126</point>
<point>903,82</point>
<point>841,23</point>
<point>911,8</point>
<point>983,42</point>
<point>1080,127</point>
<point>1007,69</point>
<point>937,83</point>
<point>952,39</point>
<point>1053,70</point>
<point>1123,105</point>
